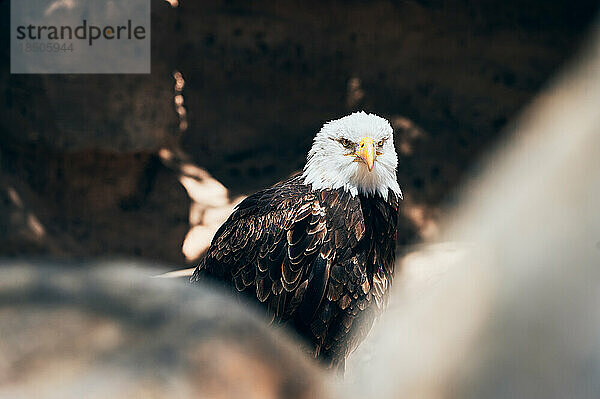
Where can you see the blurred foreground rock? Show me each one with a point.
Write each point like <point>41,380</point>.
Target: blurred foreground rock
<point>508,307</point>
<point>113,331</point>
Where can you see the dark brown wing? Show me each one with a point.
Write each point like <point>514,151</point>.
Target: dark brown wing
<point>279,245</point>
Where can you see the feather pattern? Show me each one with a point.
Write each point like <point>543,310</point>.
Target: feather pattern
<point>317,259</point>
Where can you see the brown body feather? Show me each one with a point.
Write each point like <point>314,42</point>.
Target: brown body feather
<point>321,261</point>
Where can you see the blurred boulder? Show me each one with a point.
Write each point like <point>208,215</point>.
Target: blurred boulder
<point>507,306</point>
<point>110,330</point>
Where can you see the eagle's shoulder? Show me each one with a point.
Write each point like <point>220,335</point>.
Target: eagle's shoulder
<point>267,245</point>
<point>279,239</point>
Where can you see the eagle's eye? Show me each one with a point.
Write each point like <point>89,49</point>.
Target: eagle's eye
<point>381,142</point>
<point>347,144</point>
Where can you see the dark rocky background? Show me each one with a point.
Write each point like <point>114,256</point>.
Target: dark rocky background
<point>79,170</point>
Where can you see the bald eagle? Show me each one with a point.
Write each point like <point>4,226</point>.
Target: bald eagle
<point>318,249</point>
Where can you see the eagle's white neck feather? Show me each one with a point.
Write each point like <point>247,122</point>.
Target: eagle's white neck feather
<point>329,166</point>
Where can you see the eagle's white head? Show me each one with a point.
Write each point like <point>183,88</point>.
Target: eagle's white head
<point>355,153</point>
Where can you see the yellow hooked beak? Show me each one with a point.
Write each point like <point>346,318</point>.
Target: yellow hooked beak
<point>366,152</point>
